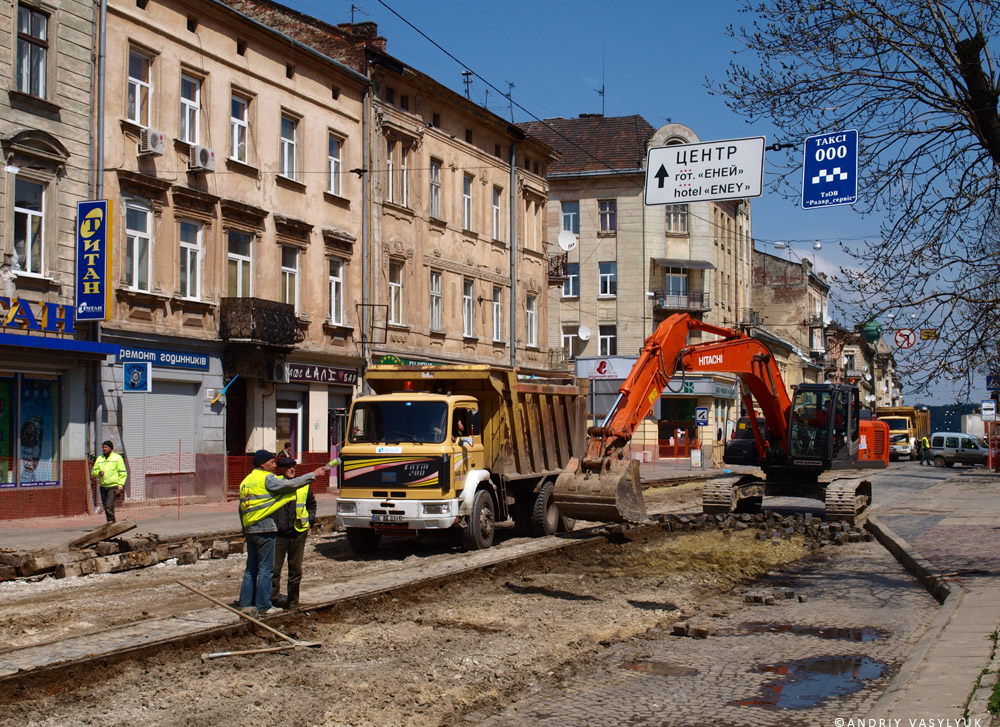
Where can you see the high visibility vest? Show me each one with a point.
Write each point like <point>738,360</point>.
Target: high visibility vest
<point>301,514</point>
<point>256,503</point>
<point>113,467</point>
<point>925,443</point>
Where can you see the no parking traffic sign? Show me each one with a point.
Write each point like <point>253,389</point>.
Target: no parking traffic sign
<point>830,169</point>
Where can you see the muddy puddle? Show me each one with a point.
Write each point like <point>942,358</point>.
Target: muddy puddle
<point>807,682</point>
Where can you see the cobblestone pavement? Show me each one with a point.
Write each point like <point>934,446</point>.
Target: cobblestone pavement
<point>734,676</point>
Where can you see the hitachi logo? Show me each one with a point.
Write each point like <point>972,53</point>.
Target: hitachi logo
<point>715,358</point>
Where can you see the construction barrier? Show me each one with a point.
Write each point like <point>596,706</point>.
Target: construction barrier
<point>155,486</point>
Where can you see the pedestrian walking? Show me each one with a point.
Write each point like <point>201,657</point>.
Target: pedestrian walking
<point>293,520</point>
<point>925,455</point>
<point>286,451</point>
<point>109,471</point>
<point>262,494</point>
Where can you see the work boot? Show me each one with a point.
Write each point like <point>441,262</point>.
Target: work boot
<point>272,611</point>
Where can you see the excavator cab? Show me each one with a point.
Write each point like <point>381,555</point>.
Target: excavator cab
<point>823,426</point>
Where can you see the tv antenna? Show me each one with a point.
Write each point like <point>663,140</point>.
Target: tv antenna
<point>467,80</point>
<point>510,98</point>
<point>600,91</point>
<point>356,9</point>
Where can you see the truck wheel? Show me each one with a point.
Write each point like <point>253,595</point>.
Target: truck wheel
<point>544,514</point>
<point>939,461</point>
<point>566,524</point>
<point>478,532</point>
<point>363,540</point>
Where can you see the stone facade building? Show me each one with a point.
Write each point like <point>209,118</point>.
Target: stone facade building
<point>228,153</point>
<point>47,363</point>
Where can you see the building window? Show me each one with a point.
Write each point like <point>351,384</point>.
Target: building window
<point>435,190</point>
<point>336,291</point>
<point>530,322</point>
<point>29,226</point>
<point>404,189</point>
<point>571,217</point>
<point>190,237</point>
<point>468,310</point>
<point>32,49</point>
<point>497,313</point>
<point>140,89</point>
<point>190,108</point>
<point>497,217</point>
<point>334,149</point>
<point>571,287</point>
<point>607,279</point>
<point>675,282</point>
<point>289,146</point>
<point>531,224</point>
<point>138,241</point>
<point>239,128</point>
<point>238,265</point>
<point>571,342</point>
<point>607,210</point>
<point>607,341</point>
<point>290,276</point>
<point>677,219</point>
<point>396,292</point>
<point>466,202</point>
<point>435,300</point>
<point>396,160</point>
<point>390,170</point>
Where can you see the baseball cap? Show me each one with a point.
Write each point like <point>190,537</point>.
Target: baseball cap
<point>261,456</point>
<point>286,462</point>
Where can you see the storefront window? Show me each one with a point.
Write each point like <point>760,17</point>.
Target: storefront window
<point>29,430</point>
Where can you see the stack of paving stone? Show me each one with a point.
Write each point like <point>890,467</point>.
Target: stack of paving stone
<point>110,556</point>
<point>771,526</point>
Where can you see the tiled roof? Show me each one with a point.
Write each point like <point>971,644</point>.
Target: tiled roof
<point>593,142</point>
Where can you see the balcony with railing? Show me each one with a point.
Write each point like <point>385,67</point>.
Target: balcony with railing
<point>558,269</point>
<point>693,300</point>
<point>749,317</point>
<point>254,320</point>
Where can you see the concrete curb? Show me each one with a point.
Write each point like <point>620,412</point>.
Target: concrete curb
<point>949,595</point>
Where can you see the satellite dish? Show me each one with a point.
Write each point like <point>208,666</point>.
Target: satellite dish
<point>566,241</point>
<point>584,333</point>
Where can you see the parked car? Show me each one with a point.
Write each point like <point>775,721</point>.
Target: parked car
<point>947,448</point>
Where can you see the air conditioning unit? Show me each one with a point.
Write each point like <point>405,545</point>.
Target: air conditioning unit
<point>201,159</point>
<point>152,141</point>
<point>277,372</point>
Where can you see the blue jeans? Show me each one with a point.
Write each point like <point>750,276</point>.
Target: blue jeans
<point>256,587</point>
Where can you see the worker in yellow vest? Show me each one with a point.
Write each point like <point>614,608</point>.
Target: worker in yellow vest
<point>109,471</point>
<point>262,494</point>
<point>294,520</point>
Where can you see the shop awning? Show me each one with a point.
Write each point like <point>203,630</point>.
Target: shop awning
<point>50,343</point>
<point>665,262</point>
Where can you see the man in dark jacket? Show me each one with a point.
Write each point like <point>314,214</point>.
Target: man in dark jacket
<point>293,521</point>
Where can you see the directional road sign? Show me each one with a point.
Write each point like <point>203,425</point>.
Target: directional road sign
<point>830,170</point>
<point>905,337</point>
<point>727,169</point>
<point>701,416</point>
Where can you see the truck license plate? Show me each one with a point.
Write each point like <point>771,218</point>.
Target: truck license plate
<point>387,518</point>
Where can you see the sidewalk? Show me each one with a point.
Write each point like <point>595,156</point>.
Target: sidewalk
<point>949,536</point>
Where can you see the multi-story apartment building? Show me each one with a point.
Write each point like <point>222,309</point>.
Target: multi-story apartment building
<point>635,265</point>
<point>47,363</point>
<point>229,149</point>
<point>789,303</point>
<point>455,269</point>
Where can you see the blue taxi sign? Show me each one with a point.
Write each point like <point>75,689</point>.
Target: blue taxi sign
<point>830,169</point>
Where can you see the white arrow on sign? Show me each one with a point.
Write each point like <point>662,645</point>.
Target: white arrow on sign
<point>905,337</point>
<point>727,169</point>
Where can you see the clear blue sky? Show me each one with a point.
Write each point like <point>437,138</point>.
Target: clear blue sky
<point>652,56</point>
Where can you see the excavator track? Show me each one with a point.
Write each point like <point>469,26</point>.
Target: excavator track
<point>847,499</point>
<point>730,494</point>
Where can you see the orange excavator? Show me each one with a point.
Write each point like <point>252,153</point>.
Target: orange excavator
<point>811,444</point>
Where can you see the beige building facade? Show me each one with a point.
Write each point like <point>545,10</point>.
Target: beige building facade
<point>239,226</point>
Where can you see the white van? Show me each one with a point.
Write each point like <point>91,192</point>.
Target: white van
<point>947,448</point>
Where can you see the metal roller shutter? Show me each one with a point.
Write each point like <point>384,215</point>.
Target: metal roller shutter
<point>155,422</point>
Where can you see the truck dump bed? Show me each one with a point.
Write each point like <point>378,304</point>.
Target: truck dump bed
<point>531,426</point>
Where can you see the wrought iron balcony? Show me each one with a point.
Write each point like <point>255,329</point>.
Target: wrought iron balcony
<point>254,320</point>
<point>558,269</point>
<point>559,359</point>
<point>692,300</point>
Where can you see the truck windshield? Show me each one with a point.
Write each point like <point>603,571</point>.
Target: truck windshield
<point>896,424</point>
<point>423,422</point>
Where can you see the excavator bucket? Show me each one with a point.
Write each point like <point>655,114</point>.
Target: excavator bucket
<point>610,495</point>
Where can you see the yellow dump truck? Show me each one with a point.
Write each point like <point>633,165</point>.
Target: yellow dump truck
<point>907,425</point>
<point>457,448</point>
